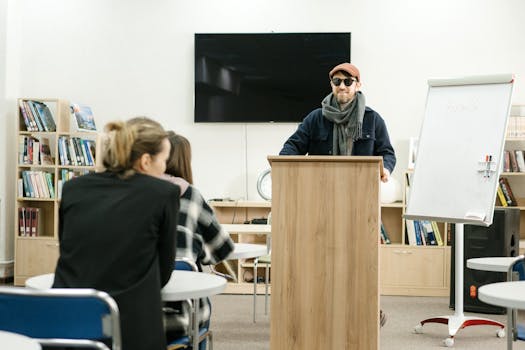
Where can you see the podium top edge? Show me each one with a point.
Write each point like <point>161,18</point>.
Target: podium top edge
<point>357,159</point>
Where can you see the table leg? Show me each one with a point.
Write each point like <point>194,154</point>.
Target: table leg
<point>510,328</point>
<point>195,321</point>
<point>255,262</point>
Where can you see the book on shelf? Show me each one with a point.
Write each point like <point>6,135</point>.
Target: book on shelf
<point>411,232</point>
<point>429,232</point>
<point>439,239</point>
<point>513,161</point>
<point>507,192</point>
<point>385,239</point>
<point>38,184</point>
<point>82,116</point>
<point>506,161</point>
<point>420,238</point>
<point>37,116</point>
<point>21,222</point>
<point>76,151</point>
<point>45,115</point>
<point>45,152</point>
<point>520,160</point>
<point>501,196</point>
<point>29,222</point>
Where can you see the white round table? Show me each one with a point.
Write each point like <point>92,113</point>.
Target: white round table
<point>494,264</point>
<point>507,294</point>
<point>247,250</point>
<point>192,285</point>
<point>499,264</point>
<point>14,341</point>
<point>41,281</point>
<point>181,286</point>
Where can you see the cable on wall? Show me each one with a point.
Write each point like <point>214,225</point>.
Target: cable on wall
<point>246,159</point>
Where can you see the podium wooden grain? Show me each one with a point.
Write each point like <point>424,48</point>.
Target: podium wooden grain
<point>325,252</point>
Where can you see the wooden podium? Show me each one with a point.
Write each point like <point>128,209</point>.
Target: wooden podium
<point>325,252</point>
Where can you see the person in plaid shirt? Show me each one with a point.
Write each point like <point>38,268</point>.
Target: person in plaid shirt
<point>200,237</point>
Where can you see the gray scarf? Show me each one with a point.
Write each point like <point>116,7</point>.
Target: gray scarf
<point>348,124</point>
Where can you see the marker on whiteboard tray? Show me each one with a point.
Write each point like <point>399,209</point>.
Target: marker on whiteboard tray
<point>488,160</point>
<point>487,166</point>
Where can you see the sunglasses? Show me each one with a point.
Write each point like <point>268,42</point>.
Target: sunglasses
<point>347,81</point>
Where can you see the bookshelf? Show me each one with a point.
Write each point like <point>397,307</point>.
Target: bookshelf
<point>515,140</point>
<point>42,166</point>
<point>414,270</point>
<point>405,270</point>
<point>239,212</point>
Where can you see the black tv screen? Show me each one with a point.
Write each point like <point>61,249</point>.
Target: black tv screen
<point>264,77</point>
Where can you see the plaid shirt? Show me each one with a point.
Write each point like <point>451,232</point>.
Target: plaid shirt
<point>200,237</point>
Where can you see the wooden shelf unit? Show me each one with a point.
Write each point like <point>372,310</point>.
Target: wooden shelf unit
<point>36,255</point>
<point>405,269</point>
<point>411,270</point>
<point>239,212</point>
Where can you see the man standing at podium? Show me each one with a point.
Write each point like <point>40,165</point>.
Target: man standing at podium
<point>344,125</point>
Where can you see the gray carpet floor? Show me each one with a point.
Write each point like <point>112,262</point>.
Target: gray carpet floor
<point>233,328</point>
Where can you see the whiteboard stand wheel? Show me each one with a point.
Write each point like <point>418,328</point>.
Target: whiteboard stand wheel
<point>449,342</point>
<point>418,329</point>
<point>501,333</point>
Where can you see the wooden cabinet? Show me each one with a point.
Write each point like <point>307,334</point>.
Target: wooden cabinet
<point>404,269</point>
<point>239,212</point>
<point>407,269</point>
<point>40,172</point>
<point>35,256</point>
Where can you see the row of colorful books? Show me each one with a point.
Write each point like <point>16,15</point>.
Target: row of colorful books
<point>514,161</point>
<point>29,222</point>
<point>423,232</point>
<point>505,195</point>
<point>37,116</point>
<point>36,184</point>
<point>76,151</point>
<point>34,151</point>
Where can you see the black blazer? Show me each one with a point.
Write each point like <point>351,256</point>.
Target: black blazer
<point>119,236</point>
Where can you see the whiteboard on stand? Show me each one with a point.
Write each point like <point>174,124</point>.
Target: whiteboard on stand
<point>460,150</point>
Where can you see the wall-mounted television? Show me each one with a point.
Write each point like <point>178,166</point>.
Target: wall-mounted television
<point>264,77</point>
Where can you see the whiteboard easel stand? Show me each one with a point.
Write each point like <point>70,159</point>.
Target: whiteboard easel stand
<point>459,320</point>
<point>461,102</point>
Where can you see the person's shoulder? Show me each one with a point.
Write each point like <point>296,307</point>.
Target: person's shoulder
<point>157,185</point>
<point>193,194</point>
<point>371,113</point>
<point>316,114</point>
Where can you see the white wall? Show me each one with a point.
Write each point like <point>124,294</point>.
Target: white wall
<point>3,108</point>
<point>8,89</point>
<point>135,57</point>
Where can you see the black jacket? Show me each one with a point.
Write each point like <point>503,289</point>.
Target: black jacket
<point>118,236</point>
<point>314,136</point>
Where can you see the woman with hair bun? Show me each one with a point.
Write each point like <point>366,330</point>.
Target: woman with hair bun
<point>117,229</point>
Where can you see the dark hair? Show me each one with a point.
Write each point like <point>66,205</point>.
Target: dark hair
<point>179,162</point>
<point>125,142</point>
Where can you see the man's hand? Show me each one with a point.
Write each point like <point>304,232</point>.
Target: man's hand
<point>386,175</point>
